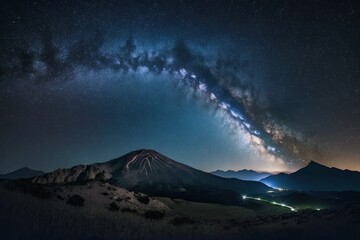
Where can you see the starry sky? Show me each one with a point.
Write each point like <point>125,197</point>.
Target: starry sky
<point>264,85</point>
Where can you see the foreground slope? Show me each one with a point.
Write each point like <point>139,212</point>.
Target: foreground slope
<point>316,177</point>
<point>153,173</point>
<point>54,219</point>
<point>94,194</point>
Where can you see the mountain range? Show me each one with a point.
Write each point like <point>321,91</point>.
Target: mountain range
<point>152,173</point>
<point>22,173</point>
<point>316,177</point>
<point>244,174</point>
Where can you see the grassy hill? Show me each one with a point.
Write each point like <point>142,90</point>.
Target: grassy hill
<point>23,216</point>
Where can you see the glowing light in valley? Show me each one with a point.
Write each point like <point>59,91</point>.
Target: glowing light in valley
<point>273,202</point>
<point>284,205</point>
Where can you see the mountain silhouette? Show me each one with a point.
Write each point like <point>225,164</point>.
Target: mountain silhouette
<point>244,174</point>
<point>153,173</point>
<point>22,173</point>
<point>316,177</point>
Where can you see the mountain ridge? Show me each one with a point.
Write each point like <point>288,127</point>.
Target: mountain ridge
<point>316,177</point>
<point>243,174</point>
<point>22,173</point>
<point>153,173</point>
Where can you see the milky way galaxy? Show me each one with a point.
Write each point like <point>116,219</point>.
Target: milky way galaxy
<point>215,88</point>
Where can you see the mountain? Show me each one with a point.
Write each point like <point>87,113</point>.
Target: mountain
<point>244,174</point>
<point>24,172</point>
<point>150,172</point>
<point>316,177</point>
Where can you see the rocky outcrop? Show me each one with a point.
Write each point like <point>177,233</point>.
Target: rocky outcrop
<point>75,174</point>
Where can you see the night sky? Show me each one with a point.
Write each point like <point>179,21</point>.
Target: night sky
<point>264,85</point>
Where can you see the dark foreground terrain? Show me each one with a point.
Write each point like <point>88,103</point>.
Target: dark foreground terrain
<point>105,212</point>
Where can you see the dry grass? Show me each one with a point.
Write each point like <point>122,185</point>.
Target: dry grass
<point>25,217</point>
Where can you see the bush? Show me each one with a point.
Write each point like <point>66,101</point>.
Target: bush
<point>143,199</point>
<point>26,186</point>
<point>41,192</point>
<point>129,210</point>
<point>182,220</point>
<point>114,207</point>
<point>59,197</point>
<point>154,214</point>
<point>76,200</point>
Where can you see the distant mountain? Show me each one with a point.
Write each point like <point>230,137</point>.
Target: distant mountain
<point>245,174</point>
<point>151,172</point>
<point>316,177</point>
<point>24,172</point>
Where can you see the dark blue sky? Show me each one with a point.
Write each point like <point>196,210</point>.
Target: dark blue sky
<point>215,85</point>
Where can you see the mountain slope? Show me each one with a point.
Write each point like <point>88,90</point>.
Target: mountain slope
<point>244,174</point>
<point>24,172</point>
<point>153,173</point>
<point>316,177</point>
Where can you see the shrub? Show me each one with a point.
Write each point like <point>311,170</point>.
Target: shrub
<point>182,220</point>
<point>114,207</point>
<point>58,196</point>
<point>143,199</point>
<point>76,200</point>
<point>41,192</point>
<point>154,214</point>
<point>36,190</point>
<point>128,210</point>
